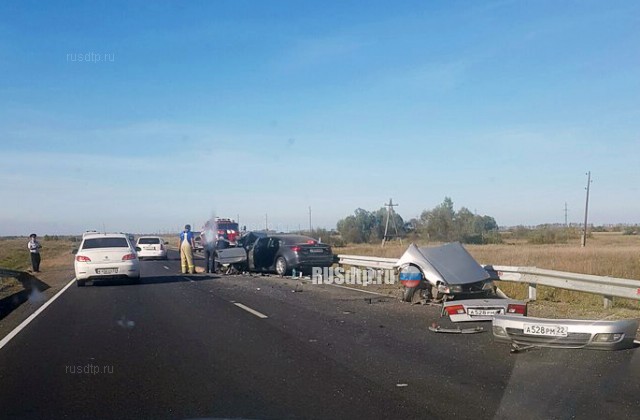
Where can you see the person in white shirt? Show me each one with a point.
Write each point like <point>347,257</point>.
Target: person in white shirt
<point>34,250</point>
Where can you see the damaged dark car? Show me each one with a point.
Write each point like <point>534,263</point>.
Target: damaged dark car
<point>279,253</point>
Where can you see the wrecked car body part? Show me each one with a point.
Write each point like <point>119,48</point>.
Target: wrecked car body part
<point>515,348</point>
<point>565,333</point>
<point>462,310</point>
<point>231,256</point>
<point>438,329</point>
<point>444,270</point>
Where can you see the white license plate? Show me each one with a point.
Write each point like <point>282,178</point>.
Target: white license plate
<point>149,248</point>
<point>107,270</point>
<point>484,312</point>
<point>316,250</point>
<point>546,330</point>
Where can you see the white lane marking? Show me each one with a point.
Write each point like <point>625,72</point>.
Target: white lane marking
<point>357,290</point>
<point>165,267</point>
<point>26,322</point>
<point>252,311</point>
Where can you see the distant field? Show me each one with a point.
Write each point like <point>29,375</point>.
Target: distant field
<point>606,254</point>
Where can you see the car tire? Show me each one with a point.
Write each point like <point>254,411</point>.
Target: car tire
<point>134,280</point>
<point>281,266</point>
<point>407,293</point>
<point>416,294</point>
<point>80,283</point>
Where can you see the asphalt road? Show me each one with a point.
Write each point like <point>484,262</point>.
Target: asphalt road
<point>179,346</point>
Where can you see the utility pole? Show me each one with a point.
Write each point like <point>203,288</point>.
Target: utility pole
<point>310,226</point>
<point>566,213</point>
<point>586,210</point>
<point>390,215</point>
<point>266,222</point>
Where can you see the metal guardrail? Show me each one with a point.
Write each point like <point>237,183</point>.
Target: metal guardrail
<point>607,287</point>
<point>366,261</point>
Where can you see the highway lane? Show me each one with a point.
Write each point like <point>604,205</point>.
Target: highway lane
<point>176,346</point>
<point>165,349</point>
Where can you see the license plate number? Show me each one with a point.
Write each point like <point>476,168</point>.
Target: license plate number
<point>106,270</point>
<point>149,248</point>
<point>484,312</point>
<point>546,330</point>
<point>316,251</point>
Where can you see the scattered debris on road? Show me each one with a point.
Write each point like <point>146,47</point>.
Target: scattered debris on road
<point>438,329</point>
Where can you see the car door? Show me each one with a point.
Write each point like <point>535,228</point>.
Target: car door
<point>258,254</point>
<point>270,254</point>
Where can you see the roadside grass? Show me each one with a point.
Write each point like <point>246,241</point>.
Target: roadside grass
<point>57,261</point>
<point>606,254</point>
<point>15,255</point>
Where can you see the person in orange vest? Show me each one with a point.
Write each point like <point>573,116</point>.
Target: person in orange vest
<point>186,246</point>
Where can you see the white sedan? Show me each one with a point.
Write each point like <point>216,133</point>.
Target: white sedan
<point>106,256</point>
<point>151,247</point>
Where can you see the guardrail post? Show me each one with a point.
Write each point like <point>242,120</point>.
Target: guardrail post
<point>533,291</point>
<point>608,301</point>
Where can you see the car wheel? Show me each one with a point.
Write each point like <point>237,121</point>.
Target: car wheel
<point>407,293</point>
<point>281,266</point>
<point>80,283</point>
<point>135,280</point>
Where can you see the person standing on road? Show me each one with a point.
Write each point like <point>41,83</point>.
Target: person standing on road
<point>209,238</point>
<point>34,250</point>
<point>187,244</point>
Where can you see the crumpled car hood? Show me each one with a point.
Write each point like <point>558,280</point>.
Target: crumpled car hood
<point>449,263</point>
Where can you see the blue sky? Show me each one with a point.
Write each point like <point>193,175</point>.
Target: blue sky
<point>253,107</point>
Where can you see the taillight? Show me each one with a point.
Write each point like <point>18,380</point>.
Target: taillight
<point>161,247</point>
<point>129,257</point>
<point>296,248</point>
<point>82,258</point>
<point>517,309</point>
<point>455,310</point>
<point>311,242</point>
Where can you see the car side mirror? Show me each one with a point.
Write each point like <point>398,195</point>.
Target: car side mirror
<point>74,251</point>
<point>138,249</point>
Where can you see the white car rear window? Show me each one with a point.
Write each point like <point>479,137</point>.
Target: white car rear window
<point>105,243</point>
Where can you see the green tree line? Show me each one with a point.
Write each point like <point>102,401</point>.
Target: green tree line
<point>442,223</point>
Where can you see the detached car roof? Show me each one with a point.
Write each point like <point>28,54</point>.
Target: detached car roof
<point>450,263</point>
